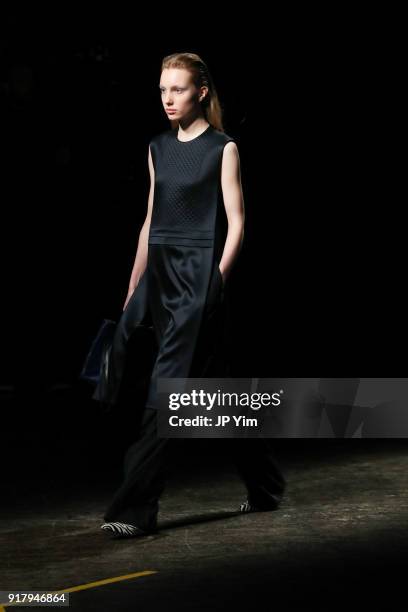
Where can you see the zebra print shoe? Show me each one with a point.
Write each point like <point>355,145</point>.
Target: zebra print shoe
<point>122,530</point>
<point>247,507</point>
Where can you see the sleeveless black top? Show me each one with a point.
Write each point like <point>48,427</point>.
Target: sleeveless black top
<point>187,189</point>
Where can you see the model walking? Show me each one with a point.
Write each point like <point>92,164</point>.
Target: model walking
<point>187,247</point>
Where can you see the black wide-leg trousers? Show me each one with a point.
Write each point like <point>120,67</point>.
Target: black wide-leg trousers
<point>149,461</point>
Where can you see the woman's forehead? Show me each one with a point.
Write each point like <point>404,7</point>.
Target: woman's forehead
<point>175,76</point>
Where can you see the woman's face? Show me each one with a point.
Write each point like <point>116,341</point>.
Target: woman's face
<point>180,97</point>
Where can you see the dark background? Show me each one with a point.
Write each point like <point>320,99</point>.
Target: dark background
<point>316,289</point>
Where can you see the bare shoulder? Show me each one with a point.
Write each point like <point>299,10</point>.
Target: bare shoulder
<point>230,154</point>
<point>231,145</point>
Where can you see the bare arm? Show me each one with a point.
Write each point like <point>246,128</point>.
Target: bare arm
<point>234,207</point>
<point>140,262</point>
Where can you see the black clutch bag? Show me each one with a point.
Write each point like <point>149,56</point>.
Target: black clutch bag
<point>98,352</point>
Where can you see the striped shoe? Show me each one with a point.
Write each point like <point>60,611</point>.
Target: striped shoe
<point>247,507</point>
<point>122,530</point>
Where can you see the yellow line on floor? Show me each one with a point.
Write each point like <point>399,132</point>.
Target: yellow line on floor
<point>88,585</point>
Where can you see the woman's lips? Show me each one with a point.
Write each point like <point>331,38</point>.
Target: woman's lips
<point>170,112</point>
